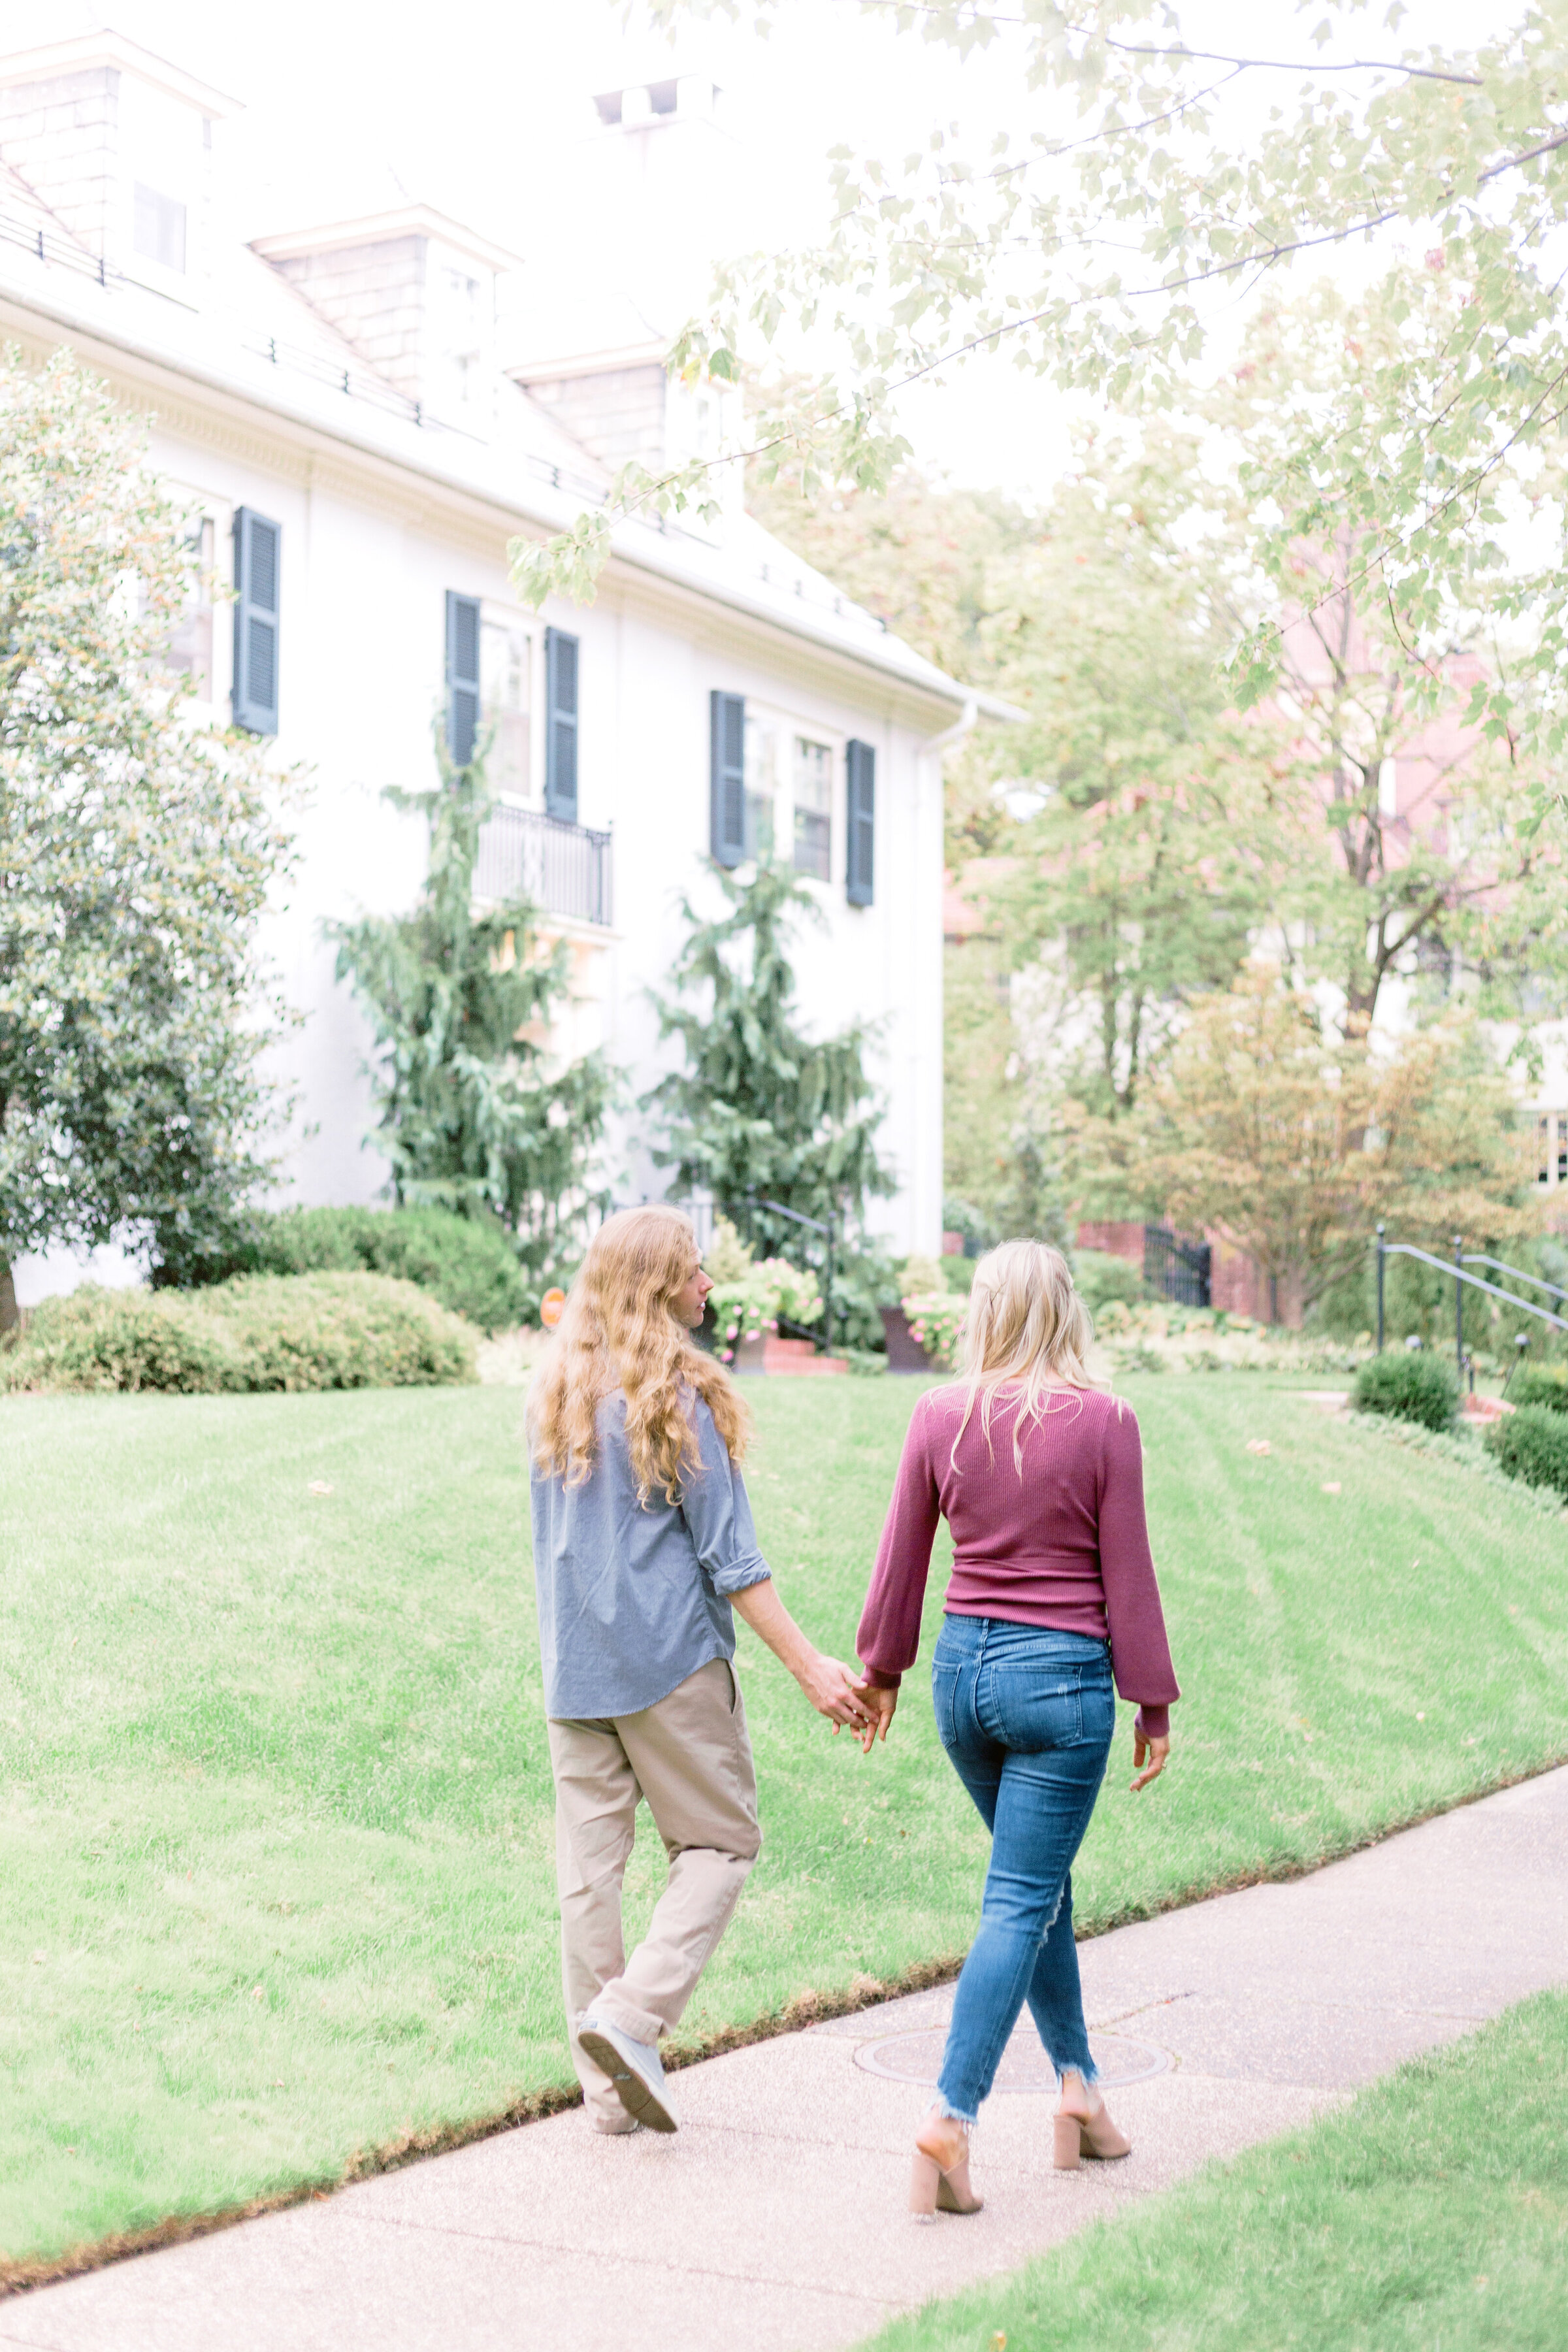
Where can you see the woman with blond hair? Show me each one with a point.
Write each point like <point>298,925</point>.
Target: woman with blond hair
<point>643,1542</point>
<point>1039,1477</point>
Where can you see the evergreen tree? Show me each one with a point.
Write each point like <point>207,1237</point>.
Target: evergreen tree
<point>474,1117</point>
<point>760,1111</point>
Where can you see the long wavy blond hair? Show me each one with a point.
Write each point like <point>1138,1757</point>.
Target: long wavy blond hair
<point>1026,1330</point>
<point>617,1331</point>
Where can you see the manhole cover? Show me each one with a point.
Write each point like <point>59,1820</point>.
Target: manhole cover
<point>917,2058</point>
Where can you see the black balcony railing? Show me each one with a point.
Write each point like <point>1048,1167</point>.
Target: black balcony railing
<point>563,867</point>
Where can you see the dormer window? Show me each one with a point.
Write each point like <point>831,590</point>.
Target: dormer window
<point>415,294</point>
<point>159,229</point>
<point>118,143</point>
<point>458,336</point>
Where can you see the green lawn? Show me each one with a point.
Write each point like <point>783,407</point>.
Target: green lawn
<point>1431,2217</point>
<point>276,1841</point>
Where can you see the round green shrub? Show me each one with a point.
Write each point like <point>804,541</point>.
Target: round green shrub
<point>96,1339</point>
<point>1531,1445</point>
<point>343,1331</point>
<point>1410,1385</point>
<point>1543,1384</point>
<point>470,1267</point>
<point>255,1332</point>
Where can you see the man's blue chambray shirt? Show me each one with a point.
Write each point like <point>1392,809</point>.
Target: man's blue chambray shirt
<point>633,1597</point>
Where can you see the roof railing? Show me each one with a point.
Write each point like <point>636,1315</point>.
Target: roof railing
<point>357,383</point>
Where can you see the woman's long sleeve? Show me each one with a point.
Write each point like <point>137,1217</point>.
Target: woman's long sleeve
<point>1140,1651</point>
<point>889,1631</point>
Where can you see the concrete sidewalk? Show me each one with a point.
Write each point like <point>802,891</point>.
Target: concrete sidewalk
<point>774,2220</point>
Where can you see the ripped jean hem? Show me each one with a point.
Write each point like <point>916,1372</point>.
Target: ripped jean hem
<point>945,2107</point>
<point>1089,2071</point>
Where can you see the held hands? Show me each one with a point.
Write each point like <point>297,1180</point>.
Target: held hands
<point>879,1705</point>
<point>835,1692</point>
<point>1150,1758</point>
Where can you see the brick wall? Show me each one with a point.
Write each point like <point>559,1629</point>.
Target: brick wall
<point>1117,1239</point>
<point>1234,1284</point>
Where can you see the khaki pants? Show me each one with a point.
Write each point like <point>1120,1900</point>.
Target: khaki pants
<point>691,1758</point>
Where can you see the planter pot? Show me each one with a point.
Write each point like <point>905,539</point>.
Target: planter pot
<point>905,1353</point>
<point>751,1355</point>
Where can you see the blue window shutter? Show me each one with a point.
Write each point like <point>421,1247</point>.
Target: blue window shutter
<point>860,871</point>
<point>257,551</point>
<point>561,725</point>
<point>728,757</point>
<point>462,676</point>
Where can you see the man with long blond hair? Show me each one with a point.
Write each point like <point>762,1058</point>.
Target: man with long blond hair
<point>643,1545</point>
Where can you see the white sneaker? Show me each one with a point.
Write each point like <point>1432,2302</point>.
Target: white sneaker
<point>633,2067</point>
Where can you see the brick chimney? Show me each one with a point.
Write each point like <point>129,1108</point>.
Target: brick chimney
<point>590,349</point>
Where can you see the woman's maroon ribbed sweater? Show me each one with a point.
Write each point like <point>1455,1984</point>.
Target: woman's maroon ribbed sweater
<point>1066,1545</point>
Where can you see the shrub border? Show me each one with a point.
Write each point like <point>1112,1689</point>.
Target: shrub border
<point>1466,1454</point>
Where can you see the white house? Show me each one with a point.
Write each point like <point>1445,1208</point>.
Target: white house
<point>354,444</point>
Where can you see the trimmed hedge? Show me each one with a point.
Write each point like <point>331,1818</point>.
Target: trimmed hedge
<point>471,1268</point>
<point>1411,1385</point>
<point>1531,1445</point>
<point>255,1332</point>
<point>1545,1384</point>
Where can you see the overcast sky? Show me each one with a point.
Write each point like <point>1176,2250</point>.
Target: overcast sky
<point>484,111</point>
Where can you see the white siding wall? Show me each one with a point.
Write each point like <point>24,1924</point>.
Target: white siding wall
<point>361,685</point>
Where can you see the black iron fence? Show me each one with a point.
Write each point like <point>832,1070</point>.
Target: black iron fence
<point>1179,1271</point>
<point>565,869</point>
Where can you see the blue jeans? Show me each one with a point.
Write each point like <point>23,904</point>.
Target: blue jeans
<point>1026,1716</point>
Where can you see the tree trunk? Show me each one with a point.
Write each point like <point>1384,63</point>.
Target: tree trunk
<point>10,1313</point>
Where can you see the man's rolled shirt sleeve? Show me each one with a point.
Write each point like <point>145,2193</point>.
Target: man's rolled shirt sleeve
<point>718,1512</point>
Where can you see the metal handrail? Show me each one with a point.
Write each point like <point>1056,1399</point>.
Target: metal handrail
<point>358,383</point>
<point>1479,1257</point>
<point>814,1224</point>
<point>1455,1267</point>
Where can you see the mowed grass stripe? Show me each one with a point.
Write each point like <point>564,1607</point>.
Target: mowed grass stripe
<point>1432,2213</point>
<point>276,1819</point>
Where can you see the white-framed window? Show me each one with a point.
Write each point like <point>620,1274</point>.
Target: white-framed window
<point>461,325</point>
<point>792,790</point>
<point>814,763</point>
<point>506,700</point>
<point>159,234</point>
<point>190,650</point>
<point>1551,1147</point>
<point>762,741</point>
<point>158,228</point>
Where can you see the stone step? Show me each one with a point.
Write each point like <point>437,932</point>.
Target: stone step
<point>794,1357</point>
<point>799,1356</point>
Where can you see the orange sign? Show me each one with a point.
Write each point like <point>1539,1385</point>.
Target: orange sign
<point>551,1308</point>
